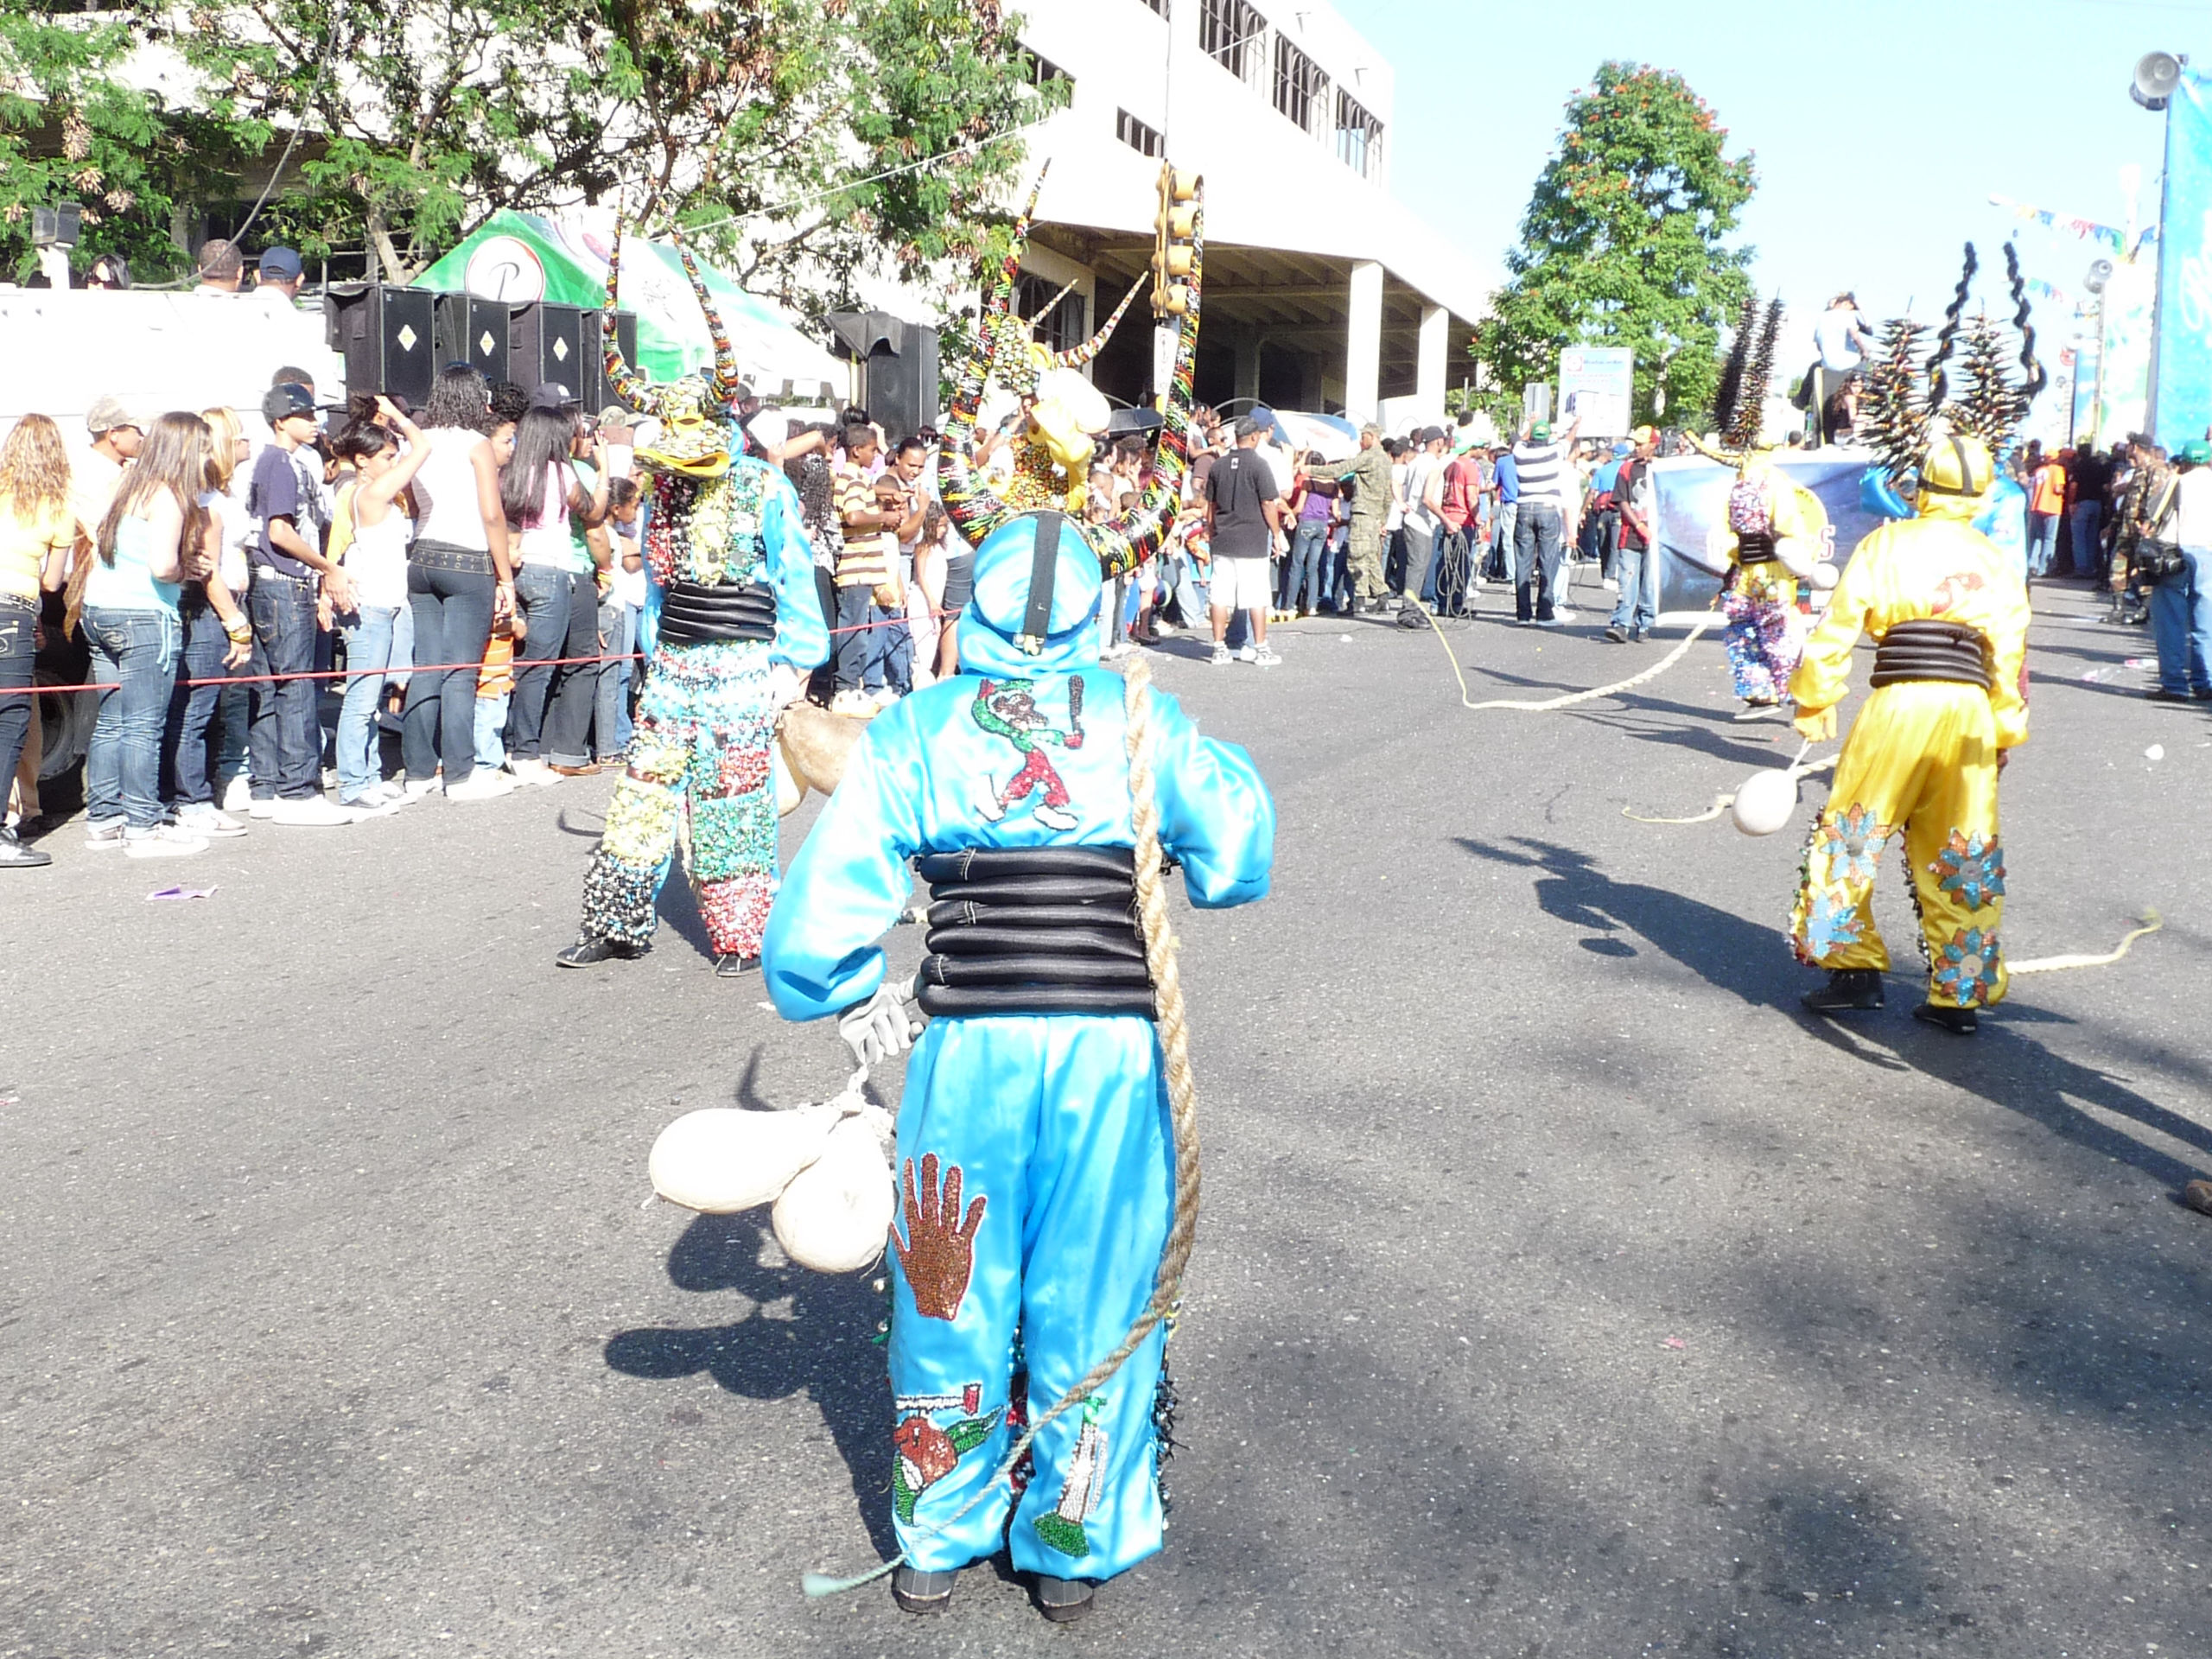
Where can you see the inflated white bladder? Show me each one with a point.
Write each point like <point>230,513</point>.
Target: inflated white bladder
<point>1824,574</point>
<point>1766,802</point>
<point>721,1161</point>
<point>834,1217</point>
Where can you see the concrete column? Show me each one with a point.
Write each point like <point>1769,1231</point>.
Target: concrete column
<point>1248,363</point>
<point>1364,342</point>
<point>1428,362</point>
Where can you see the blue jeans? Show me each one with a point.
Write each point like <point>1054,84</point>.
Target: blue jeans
<point>2181,623</point>
<point>2088,520</point>
<point>449,589</point>
<point>1502,528</point>
<point>286,738</point>
<point>192,743</point>
<point>1535,559</point>
<point>18,639</point>
<point>136,650</point>
<point>369,638</point>
<point>1633,609</point>
<point>542,596</point>
<point>617,630</point>
<point>492,731</point>
<point>2042,541</point>
<point>1305,583</point>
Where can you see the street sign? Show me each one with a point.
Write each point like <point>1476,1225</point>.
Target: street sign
<point>1599,384</point>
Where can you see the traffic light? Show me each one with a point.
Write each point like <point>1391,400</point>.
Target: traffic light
<point>1172,250</point>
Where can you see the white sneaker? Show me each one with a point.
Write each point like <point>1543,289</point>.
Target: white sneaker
<point>238,794</point>
<point>1610,585</point>
<point>1556,620</point>
<point>258,808</point>
<point>883,697</point>
<point>315,812</point>
<point>108,833</point>
<point>205,820</point>
<point>852,704</point>
<point>481,786</point>
<point>1222,657</point>
<point>417,788</point>
<point>391,795</point>
<point>1265,657</point>
<point>330,778</point>
<point>164,841</point>
<point>532,770</point>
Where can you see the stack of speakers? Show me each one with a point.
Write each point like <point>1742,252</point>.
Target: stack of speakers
<point>396,339</point>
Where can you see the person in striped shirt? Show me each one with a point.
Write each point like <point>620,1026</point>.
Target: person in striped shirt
<point>1541,464</point>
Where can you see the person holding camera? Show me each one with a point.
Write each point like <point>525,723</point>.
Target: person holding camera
<point>2176,564</point>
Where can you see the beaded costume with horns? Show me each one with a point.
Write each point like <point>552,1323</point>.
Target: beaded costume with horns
<point>730,600</point>
<point>1126,541</point>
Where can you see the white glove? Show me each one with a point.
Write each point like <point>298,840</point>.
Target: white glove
<point>784,685</point>
<point>880,1028</point>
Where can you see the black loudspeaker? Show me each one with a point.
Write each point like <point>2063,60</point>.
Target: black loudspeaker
<point>548,342</point>
<point>897,363</point>
<point>594,388</point>
<point>474,332</point>
<point>387,336</point>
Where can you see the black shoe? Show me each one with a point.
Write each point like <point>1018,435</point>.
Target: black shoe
<point>1064,1601</point>
<point>2159,694</point>
<point>1412,616</point>
<point>14,856</point>
<point>917,1592</point>
<point>1847,988</point>
<point>1618,635</point>
<point>584,953</point>
<point>1637,636</point>
<point>735,967</point>
<point>1959,1022</point>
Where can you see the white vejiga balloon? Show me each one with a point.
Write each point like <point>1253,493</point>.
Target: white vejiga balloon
<point>1766,802</point>
<point>835,1217</point>
<point>1824,574</point>
<point>721,1161</point>
<point>790,791</point>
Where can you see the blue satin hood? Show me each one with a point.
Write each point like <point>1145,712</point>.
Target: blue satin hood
<point>995,615</point>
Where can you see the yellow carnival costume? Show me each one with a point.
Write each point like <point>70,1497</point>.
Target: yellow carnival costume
<point>1949,615</point>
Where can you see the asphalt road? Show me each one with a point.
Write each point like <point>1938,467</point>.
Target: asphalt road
<point>1562,1289</point>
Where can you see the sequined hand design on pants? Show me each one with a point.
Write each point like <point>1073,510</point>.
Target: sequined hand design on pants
<point>938,1252</point>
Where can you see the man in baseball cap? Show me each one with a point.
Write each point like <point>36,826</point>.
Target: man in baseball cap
<point>279,275</point>
<point>118,430</point>
<point>554,395</point>
<point>117,426</point>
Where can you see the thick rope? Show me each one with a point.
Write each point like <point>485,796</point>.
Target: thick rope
<point>1160,950</point>
<point>1572,698</point>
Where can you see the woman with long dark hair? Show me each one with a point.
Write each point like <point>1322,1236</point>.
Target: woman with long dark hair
<point>157,534</point>
<point>218,640</point>
<point>554,591</point>
<point>458,579</point>
<point>384,524</point>
<point>37,529</point>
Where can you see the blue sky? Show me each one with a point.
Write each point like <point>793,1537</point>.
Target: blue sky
<point>1881,129</point>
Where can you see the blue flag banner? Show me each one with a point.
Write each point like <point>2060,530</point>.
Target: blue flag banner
<point>2184,365</point>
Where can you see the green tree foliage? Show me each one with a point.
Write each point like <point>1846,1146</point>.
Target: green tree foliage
<point>411,122</point>
<point>1624,243</point>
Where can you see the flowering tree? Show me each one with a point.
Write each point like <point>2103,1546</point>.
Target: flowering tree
<point>1624,243</point>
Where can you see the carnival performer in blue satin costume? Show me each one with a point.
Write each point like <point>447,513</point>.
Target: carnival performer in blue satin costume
<point>731,625</point>
<point>1037,1178</point>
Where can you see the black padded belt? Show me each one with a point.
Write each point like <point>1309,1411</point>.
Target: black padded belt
<point>1032,931</point>
<point>1928,650</point>
<point>692,614</point>
<point>1756,549</point>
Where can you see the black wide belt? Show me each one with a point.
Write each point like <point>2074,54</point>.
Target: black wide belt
<point>1756,549</point>
<point>1927,649</point>
<point>1033,930</point>
<point>693,614</point>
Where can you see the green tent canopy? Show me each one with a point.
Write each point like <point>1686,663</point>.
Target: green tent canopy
<point>524,256</point>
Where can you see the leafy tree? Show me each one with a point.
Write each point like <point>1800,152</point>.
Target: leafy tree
<point>1624,243</point>
<point>406,123</point>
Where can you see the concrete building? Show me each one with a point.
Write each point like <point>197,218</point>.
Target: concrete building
<point>1323,291</point>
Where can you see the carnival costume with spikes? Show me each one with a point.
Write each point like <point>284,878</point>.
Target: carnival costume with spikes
<point>1064,414</point>
<point>1949,614</point>
<point>1772,532</point>
<point>1037,1174</point>
<point>729,600</point>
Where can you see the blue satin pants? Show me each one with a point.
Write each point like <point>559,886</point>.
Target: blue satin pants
<point>1036,1183</point>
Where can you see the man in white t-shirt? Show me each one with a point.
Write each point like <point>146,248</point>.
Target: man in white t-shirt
<point>1424,523</point>
<point>1544,466</point>
<point>1843,339</point>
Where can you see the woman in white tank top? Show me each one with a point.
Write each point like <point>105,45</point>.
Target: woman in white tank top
<point>376,561</point>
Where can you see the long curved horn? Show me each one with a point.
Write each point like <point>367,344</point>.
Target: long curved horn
<point>2023,319</point>
<point>974,507</point>
<point>1938,382</point>
<point>1128,542</point>
<point>725,379</point>
<point>1075,356</point>
<point>629,385</point>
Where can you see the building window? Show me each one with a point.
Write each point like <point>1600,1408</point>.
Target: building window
<point>1301,89</point>
<point>1359,136</point>
<point>1144,140</point>
<point>1042,69</point>
<point>1067,324</point>
<point>1228,32</point>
